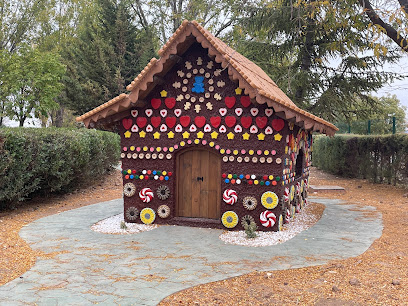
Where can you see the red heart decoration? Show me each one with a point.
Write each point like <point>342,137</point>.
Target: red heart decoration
<point>246,122</point>
<point>278,124</point>
<point>230,121</point>
<point>141,122</point>
<point>171,121</point>
<point>185,120</point>
<point>215,121</point>
<point>156,103</point>
<point>155,121</point>
<point>199,121</point>
<point>229,101</point>
<point>127,123</point>
<point>261,122</point>
<point>245,101</point>
<point>170,102</point>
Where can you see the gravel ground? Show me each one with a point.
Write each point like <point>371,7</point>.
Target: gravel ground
<point>303,220</point>
<point>377,277</point>
<point>112,225</point>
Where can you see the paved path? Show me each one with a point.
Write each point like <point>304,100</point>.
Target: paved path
<point>143,268</point>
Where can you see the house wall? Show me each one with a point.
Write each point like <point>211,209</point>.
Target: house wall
<point>249,138</point>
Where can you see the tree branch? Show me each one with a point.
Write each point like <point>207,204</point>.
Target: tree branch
<point>404,5</point>
<point>389,30</point>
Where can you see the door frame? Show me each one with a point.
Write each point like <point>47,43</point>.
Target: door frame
<point>177,168</point>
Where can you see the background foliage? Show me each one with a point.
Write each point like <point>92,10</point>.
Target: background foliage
<point>381,159</point>
<point>52,160</point>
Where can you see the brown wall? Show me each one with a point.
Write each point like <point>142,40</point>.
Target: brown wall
<point>228,90</point>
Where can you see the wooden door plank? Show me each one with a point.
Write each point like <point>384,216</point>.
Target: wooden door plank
<point>205,184</point>
<point>196,185</point>
<point>214,188</point>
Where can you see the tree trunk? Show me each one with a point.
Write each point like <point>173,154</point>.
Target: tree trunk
<point>21,120</point>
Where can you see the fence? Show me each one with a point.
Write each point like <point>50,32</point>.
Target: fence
<point>391,125</point>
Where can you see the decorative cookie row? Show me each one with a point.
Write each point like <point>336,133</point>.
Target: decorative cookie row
<point>146,194</point>
<point>147,215</point>
<point>250,179</point>
<point>147,174</point>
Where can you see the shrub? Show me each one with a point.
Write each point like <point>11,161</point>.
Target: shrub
<point>381,159</point>
<point>52,160</point>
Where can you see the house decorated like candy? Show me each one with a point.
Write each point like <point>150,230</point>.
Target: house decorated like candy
<point>208,139</point>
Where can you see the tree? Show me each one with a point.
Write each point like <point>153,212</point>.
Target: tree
<point>380,119</point>
<point>18,21</point>
<point>166,16</point>
<point>318,52</point>
<point>388,18</point>
<point>34,78</point>
<point>108,54</point>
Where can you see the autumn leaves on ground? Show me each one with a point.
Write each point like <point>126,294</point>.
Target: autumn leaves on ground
<point>379,276</point>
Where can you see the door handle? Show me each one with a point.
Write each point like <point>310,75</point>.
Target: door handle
<point>200,178</point>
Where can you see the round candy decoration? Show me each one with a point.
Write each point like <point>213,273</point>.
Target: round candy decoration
<point>269,200</point>
<point>286,195</point>
<point>163,192</point>
<point>129,189</point>
<point>280,224</point>
<point>267,218</point>
<point>250,203</point>
<point>229,219</point>
<point>247,220</point>
<point>146,195</point>
<point>147,215</point>
<point>163,211</point>
<point>230,196</point>
<point>132,213</point>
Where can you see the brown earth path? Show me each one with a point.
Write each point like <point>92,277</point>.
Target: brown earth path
<point>377,277</point>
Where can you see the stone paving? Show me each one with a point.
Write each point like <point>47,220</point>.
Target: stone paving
<point>143,268</point>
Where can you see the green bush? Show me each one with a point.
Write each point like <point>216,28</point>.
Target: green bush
<point>381,159</point>
<point>52,160</point>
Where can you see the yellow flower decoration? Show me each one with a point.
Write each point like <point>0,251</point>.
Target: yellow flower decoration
<point>147,215</point>
<point>292,192</point>
<point>269,200</point>
<point>280,224</point>
<point>229,219</point>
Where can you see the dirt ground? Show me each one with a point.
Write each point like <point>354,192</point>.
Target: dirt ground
<point>377,277</point>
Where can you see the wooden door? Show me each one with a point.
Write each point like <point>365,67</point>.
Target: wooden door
<point>198,184</point>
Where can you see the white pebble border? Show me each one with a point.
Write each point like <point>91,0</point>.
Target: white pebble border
<point>111,225</point>
<point>302,221</point>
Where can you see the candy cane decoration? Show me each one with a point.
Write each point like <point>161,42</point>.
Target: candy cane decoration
<point>298,188</point>
<point>267,218</point>
<point>230,196</point>
<point>146,195</point>
<point>287,216</point>
<point>286,195</point>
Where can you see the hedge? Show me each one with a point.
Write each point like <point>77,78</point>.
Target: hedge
<point>49,160</point>
<point>381,159</point>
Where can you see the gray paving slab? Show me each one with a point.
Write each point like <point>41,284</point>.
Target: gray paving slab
<point>143,268</point>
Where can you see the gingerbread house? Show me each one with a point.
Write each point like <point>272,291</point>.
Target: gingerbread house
<point>208,139</point>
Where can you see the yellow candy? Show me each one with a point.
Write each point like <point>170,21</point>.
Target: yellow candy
<point>158,149</point>
<point>196,141</point>
<point>256,182</point>
<point>164,172</point>
<point>251,152</point>
<point>230,176</point>
<point>171,149</point>
<point>129,171</point>
<point>141,177</point>
<point>235,152</point>
<point>266,152</point>
<point>271,177</point>
<point>222,151</point>
<point>182,143</point>
<point>211,144</point>
<point>132,148</point>
<point>145,148</point>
